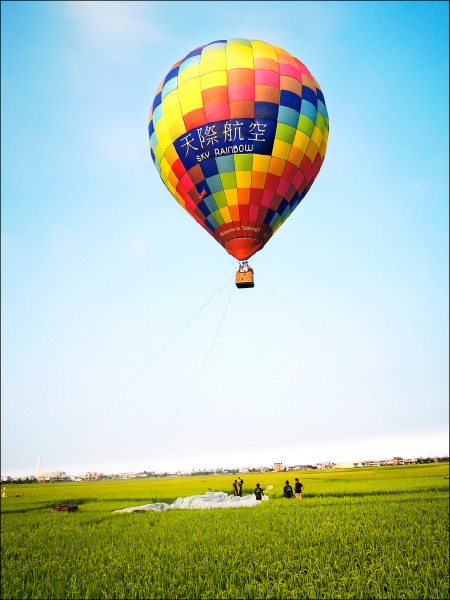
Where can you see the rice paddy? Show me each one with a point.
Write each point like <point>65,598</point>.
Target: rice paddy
<point>360,533</point>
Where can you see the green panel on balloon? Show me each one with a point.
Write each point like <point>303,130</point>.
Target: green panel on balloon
<point>228,180</point>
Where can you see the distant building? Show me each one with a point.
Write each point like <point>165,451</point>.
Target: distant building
<point>398,460</point>
<point>278,467</point>
<point>348,465</point>
<point>51,476</point>
<point>325,465</point>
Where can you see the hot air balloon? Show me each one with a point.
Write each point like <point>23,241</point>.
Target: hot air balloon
<point>238,133</point>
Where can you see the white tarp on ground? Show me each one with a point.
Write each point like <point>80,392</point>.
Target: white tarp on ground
<point>208,500</point>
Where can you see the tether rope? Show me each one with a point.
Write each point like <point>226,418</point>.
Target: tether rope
<point>113,397</point>
<point>342,363</point>
<point>194,383</point>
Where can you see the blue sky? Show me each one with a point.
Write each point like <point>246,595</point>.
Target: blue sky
<point>125,344</point>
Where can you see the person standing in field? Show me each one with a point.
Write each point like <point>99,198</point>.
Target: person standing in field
<point>298,488</point>
<point>235,488</point>
<point>240,483</point>
<point>287,490</point>
<point>258,492</point>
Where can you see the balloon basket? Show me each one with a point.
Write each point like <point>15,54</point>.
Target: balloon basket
<point>245,280</point>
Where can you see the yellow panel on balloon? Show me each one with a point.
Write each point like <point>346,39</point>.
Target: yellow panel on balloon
<point>231,196</point>
<point>301,141</point>
<point>214,79</point>
<point>165,166</point>
<point>263,50</point>
<point>213,60</point>
<point>317,136</point>
<point>239,57</point>
<point>188,73</point>
<point>164,139</point>
<point>190,96</point>
<point>243,179</point>
<point>170,99</point>
<point>225,212</point>
<point>261,162</point>
<point>160,128</point>
<point>281,149</point>
<point>175,123</point>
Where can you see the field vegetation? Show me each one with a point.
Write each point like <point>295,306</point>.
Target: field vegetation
<point>361,533</point>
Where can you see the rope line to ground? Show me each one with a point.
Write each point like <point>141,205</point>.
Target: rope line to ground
<point>342,363</point>
<point>113,397</point>
<point>194,383</point>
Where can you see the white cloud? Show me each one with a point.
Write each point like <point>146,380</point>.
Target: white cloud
<point>113,27</point>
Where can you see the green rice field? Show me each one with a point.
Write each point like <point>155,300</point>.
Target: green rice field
<point>377,532</point>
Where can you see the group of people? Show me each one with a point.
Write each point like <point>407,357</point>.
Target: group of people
<point>244,267</point>
<point>288,491</point>
<point>237,486</point>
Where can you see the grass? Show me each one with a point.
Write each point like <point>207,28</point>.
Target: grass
<point>362,533</point>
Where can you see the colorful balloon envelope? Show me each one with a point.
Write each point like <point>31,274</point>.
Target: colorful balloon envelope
<point>238,132</point>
